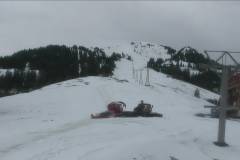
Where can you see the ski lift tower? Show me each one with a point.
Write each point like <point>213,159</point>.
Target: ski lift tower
<point>224,104</point>
<point>79,65</point>
<point>147,83</point>
<point>140,78</point>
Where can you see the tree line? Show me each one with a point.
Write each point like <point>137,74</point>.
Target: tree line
<point>52,64</point>
<point>205,78</point>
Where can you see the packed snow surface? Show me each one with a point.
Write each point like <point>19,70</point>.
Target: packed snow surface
<point>53,123</point>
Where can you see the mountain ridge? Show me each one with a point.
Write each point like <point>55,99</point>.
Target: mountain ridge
<point>55,63</point>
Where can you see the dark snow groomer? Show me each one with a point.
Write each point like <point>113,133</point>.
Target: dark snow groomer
<point>142,110</point>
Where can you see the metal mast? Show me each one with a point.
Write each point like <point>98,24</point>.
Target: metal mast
<point>147,83</point>
<point>224,106</point>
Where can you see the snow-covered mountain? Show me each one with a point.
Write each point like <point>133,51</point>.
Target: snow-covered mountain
<point>140,51</point>
<point>144,49</point>
<point>53,123</point>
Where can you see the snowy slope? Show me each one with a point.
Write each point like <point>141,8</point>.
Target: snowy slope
<point>141,52</point>
<point>53,123</point>
<point>145,49</point>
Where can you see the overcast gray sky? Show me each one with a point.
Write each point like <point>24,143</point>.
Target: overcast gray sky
<point>202,25</point>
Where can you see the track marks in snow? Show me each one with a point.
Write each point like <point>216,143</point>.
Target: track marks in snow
<point>91,151</point>
<point>173,158</point>
<point>144,157</point>
<point>41,135</point>
<point>11,148</point>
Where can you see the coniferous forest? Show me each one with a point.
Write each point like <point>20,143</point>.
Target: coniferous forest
<point>34,68</point>
<point>205,78</point>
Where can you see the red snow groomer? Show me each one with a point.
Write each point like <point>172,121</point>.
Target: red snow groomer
<point>113,109</point>
<point>116,107</point>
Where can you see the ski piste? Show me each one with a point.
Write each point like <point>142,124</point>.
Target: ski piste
<point>54,122</point>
